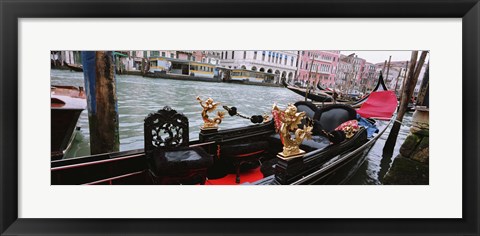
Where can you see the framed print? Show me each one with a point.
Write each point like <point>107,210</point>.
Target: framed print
<point>208,41</point>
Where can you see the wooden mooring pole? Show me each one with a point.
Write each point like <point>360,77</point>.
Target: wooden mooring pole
<point>309,78</point>
<point>407,91</point>
<point>422,99</point>
<point>388,69</point>
<point>383,68</point>
<point>405,78</point>
<point>100,87</point>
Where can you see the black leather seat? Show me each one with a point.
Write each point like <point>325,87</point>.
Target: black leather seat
<point>327,118</point>
<point>330,117</point>
<point>174,161</point>
<point>243,153</point>
<point>309,108</point>
<point>170,159</point>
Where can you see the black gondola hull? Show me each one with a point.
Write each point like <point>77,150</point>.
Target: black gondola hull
<point>333,166</point>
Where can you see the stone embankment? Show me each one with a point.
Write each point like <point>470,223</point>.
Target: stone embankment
<point>411,166</point>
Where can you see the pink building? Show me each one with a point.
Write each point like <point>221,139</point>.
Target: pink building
<point>184,55</point>
<point>358,67</point>
<point>369,77</point>
<point>316,67</point>
<point>211,57</point>
<point>350,72</point>
<point>199,56</point>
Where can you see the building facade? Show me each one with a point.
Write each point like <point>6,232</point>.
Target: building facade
<point>59,58</point>
<point>136,59</point>
<point>350,72</point>
<point>344,75</point>
<point>317,67</point>
<point>281,63</point>
<point>369,77</point>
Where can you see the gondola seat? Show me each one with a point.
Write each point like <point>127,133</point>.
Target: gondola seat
<point>327,118</point>
<point>330,117</point>
<point>309,108</point>
<point>170,159</point>
<point>182,166</point>
<point>243,153</point>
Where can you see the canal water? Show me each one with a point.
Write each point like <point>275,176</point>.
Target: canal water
<point>138,96</point>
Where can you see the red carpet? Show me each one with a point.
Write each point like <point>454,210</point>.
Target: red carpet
<point>247,176</point>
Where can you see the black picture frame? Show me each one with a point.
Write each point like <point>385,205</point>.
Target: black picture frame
<point>11,11</point>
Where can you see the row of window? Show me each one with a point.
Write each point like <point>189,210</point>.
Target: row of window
<point>155,54</point>
<point>250,74</point>
<point>315,76</point>
<point>201,68</point>
<point>272,57</point>
<point>164,54</point>
<point>322,68</point>
<point>320,56</point>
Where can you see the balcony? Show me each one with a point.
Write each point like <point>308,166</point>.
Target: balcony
<point>259,62</point>
<point>320,59</point>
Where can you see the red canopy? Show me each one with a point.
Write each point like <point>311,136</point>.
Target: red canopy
<point>381,105</point>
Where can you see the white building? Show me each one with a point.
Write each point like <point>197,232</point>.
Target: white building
<point>69,57</point>
<point>281,63</point>
<point>397,74</point>
<point>135,58</point>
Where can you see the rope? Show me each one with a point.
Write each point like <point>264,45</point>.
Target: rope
<point>232,111</point>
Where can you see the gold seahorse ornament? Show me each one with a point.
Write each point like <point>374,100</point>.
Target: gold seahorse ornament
<point>208,107</point>
<point>288,120</point>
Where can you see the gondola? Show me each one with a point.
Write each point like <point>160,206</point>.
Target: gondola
<point>77,68</point>
<point>249,155</point>
<point>327,91</point>
<point>67,103</point>
<point>380,86</point>
<point>317,96</point>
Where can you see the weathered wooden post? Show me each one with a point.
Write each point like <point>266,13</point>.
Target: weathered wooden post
<point>309,78</point>
<point>100,87</point>
<point>422,99</point>
<point>396,85</point>
<point>407,91</point>
<point>384,66</point>
<point>143,66</point>
<point>388,69</point>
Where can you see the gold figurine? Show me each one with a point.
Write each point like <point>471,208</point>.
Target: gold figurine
<point>209,106</point>
<point>286,122</point>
